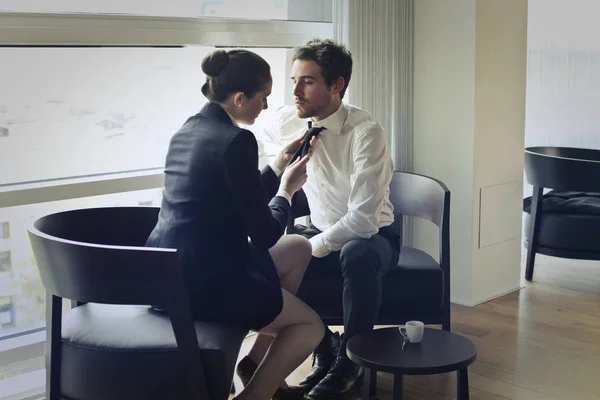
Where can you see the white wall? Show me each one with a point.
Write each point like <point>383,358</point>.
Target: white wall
<point>444,106</point>
<point>500,76</point>
<point>470,64</point>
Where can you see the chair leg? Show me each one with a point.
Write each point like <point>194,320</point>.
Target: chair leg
<point>536,203</point>
<point>446,326</point>
<point>53,343</point>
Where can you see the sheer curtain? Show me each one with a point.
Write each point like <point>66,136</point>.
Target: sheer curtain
<point>379,33</point>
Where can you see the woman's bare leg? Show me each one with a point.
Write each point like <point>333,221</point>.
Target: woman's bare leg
<point>297,331</point>
<point>291,255</point>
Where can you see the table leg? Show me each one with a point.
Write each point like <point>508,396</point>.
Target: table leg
<point>398,386</point>
<point>462,384</point>
<point>370,384</point>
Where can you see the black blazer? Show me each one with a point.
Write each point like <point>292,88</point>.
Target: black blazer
<point>215,197</point>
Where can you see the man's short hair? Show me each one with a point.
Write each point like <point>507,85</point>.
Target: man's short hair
<point>334,59</point>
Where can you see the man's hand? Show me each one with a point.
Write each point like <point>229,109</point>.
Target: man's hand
<point>285,155</point>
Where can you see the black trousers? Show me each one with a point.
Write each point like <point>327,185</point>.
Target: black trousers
<point>363,263</point>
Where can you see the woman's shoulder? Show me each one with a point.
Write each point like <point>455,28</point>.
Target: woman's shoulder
<point>243,137</point>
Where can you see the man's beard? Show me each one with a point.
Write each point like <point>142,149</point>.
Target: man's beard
<point>308,111</point>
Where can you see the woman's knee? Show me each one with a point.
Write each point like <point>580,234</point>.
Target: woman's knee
<point>301,248</point>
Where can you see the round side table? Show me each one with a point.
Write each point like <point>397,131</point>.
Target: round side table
<point>439,352</point>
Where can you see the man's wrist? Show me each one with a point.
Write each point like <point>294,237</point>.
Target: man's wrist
<point>319,248</point>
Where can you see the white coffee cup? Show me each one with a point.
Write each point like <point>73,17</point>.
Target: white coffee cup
<point>413,331</point>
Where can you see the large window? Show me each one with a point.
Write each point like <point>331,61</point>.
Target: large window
<point>6,313</point>
<point>5,261</point>
<point>88,104</point>
<point>100,110</point>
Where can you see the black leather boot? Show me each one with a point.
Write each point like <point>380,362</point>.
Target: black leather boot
<point>343,377</point>
<point>323,359</point>
<point>246,368</point>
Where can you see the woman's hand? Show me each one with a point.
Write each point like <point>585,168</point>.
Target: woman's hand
<point>294,176</point>
<point>285,155</point>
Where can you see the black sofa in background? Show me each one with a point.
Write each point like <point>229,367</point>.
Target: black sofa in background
<point>564,222</point>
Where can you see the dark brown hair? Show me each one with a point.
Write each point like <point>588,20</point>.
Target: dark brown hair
<point>334,59</point>
<point>234,71</point>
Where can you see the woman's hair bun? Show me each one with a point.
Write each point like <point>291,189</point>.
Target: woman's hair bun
<point>214,63</point>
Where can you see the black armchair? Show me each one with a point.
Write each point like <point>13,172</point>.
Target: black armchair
<point>419,287</point>
<point>564,222</point>
<point>111,344</point>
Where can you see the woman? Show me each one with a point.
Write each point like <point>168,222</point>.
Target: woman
<point>215,198</point>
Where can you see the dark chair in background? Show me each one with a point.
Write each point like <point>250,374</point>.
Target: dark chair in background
<point>419,287</point>
<point>564,222</point>
<point>111,345</point>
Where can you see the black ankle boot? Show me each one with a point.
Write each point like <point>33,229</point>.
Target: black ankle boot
<point>323,359</point>
<point>343,377</point>
<point>245,370</point>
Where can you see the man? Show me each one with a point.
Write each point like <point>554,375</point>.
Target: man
<point>352,221</point>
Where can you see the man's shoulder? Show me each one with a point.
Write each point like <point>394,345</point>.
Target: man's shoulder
<point>362,121</point>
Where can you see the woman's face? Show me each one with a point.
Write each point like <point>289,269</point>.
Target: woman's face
<point>253,106</point>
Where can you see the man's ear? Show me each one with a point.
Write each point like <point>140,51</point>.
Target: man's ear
<point>338,85</point>
<point>239,99</point>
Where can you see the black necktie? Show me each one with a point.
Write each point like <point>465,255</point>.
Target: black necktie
<point>305,145</point>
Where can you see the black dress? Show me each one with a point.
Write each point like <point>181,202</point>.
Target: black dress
<point>220,213</point>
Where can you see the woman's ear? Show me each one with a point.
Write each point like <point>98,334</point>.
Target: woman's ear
<point>239,99</point>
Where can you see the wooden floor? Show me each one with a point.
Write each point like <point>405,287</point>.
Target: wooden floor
<point>542,342</point>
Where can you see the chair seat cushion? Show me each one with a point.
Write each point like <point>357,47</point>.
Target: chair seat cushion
<point>575,232</point>
<point>567,202</point>
<point>414,286</point>
<point>127,352</point>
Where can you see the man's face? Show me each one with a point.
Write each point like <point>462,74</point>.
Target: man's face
<point>312,96</point>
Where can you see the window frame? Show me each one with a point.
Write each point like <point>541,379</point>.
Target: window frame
<point>63,30</point>
<point>5,235</point>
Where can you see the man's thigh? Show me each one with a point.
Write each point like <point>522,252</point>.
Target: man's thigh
<point>377,251</point>
<point>376,244</point>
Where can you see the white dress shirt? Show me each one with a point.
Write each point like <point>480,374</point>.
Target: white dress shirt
<point>348,176</point>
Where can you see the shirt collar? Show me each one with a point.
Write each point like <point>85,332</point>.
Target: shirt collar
<point>335,121</point>
<point>232,120</point>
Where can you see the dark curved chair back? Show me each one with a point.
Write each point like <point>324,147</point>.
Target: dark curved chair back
<point>420,196</point>
<point>563,168</point>
<point>98,256</point>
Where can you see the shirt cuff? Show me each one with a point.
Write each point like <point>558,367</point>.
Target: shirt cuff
<point>277,171</point>
<point>285,195</point>
<point>319,248</point>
